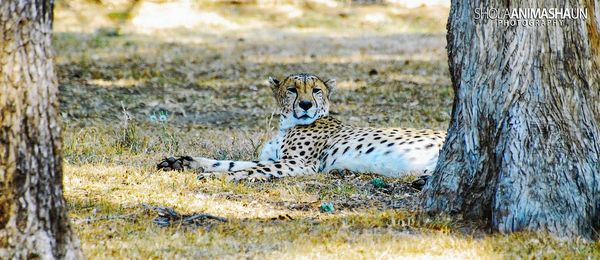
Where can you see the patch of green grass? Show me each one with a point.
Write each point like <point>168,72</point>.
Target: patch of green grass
<point>119,15</point>
<point>338,190</point>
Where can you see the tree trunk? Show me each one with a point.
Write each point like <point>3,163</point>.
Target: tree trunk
<point>33,217</point>
<point>523,149</point>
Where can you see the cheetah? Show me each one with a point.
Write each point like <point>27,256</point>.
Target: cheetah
<point>309,140</point>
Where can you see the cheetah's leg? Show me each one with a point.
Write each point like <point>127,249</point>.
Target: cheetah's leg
<point>202,164</point>
<point>240,170</point>
<point>270,170</point>
<point>270,153</point>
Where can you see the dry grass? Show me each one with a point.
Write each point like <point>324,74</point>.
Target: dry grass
<point>116,78</point>
<point>106,207</point>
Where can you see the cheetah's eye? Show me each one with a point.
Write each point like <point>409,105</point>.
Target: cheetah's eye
<point>316,90</point>
<point>293,90</point>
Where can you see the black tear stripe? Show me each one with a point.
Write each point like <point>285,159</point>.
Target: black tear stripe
<point>231,164</point>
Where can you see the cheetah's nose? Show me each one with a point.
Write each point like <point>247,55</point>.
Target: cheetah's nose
<point>306,105</point>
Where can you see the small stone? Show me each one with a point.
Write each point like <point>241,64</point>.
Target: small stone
<point>373,72</point>
<point>163,164</point>
<point>378,183</point>
<point>177,166</point>
<point>420,182</point>
<point>327,207</point>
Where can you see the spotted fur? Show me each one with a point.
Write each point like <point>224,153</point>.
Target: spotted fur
<point>310,141</point>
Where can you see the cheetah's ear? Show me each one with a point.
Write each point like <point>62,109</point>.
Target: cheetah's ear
<point>330,83</point>
<point>274,83</point>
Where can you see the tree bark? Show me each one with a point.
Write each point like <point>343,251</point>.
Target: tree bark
<point>33,214</point>
<point>523,149</point>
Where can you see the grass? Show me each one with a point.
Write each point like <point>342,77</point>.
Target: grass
<point>209,84</point>
<point>106,207</point>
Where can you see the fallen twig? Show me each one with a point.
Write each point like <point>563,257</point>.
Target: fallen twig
<point>168,216</point>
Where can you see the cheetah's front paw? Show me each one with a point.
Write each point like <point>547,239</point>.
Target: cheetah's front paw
<point>175,164</point>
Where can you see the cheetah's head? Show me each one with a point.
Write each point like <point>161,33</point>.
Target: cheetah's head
<point>302,98</point>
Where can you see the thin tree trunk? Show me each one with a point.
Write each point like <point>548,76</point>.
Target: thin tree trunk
<point>33,217</point>
<point>523,149</point>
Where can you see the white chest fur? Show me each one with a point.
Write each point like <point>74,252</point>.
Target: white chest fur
<point>272,149</point>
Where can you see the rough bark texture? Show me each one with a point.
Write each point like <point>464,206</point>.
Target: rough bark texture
<point>33,218</point>
<point>524,140</point>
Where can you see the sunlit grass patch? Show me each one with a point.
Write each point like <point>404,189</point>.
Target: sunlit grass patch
<point>107,209</point>
<point>106,203</point>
